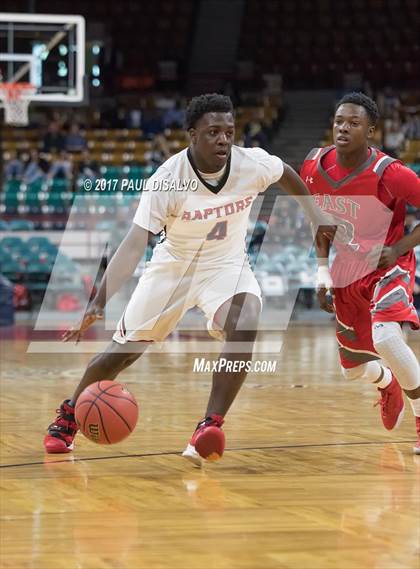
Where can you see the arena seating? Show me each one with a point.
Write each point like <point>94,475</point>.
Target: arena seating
<point>318,43</point>
<point>30,262</point>
<point>312,43</point>
<point>54,196</point>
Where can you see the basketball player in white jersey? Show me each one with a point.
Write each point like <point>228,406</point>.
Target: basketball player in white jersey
<point>202,197</point>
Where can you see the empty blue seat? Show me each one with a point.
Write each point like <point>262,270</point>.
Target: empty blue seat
<point>21,225</point>
<point>38,243</point>
<point>11,243</point>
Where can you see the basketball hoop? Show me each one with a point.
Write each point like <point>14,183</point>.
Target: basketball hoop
<point>16,98</point>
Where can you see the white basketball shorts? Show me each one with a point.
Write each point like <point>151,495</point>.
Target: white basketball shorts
<point>166,290</point>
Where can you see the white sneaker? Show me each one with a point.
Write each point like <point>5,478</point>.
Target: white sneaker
<point>192,455</point>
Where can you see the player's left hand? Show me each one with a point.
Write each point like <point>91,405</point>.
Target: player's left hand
<point>387,256</point>
<point>324,290</point>
<point>92,314</point>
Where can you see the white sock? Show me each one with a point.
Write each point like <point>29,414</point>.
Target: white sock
<point>390,345</point>
<point>415,405</point>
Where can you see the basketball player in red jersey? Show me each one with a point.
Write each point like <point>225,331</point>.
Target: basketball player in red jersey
<point>371,310</point>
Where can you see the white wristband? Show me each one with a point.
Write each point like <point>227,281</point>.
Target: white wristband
<point>323,278</point>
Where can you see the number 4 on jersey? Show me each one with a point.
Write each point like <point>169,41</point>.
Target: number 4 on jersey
<point>218,232</point>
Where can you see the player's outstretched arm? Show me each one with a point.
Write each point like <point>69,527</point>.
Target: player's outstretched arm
<point>120,269</point>
<point>122,264</point>
<point>293,184</point>
<point>326,226</point>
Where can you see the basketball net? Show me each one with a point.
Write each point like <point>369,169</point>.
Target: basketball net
<point>16,98</point>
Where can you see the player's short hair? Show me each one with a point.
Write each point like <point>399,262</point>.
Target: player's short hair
<point>364,101</point>
<point>209,103</point>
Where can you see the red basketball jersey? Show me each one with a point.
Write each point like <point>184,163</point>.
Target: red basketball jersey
<point>373,214</point>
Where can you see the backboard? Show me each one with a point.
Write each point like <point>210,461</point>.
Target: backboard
<point>46,50</point>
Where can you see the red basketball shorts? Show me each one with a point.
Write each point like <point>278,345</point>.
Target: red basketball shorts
<point>385,295</point>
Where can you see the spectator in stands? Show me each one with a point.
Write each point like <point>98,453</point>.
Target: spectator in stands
<point>134,118</point>
<point>273,87</point>
<point>163,145</point>
<point>151,124</point>
<point>388,102</point>
<point>88,168</point>
<point>13,169</point>
<point>254,135</point>
<point>158,153</point>
<point>120,117</point>
<point>54,140</point>
<point>75,142</point>
<point>393,138</point>
<point>411,127</point>
<point>152,129</point>
<point>33,170</point>
<point>163,102</point>
<point>174,117</point>
<point>62,167</point>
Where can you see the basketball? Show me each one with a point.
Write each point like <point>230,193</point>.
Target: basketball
<point>106,412</point>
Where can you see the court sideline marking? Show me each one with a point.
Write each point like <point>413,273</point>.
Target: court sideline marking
<point>169,453</point>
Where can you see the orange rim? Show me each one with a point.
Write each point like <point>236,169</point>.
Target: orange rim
<point>14,91</point>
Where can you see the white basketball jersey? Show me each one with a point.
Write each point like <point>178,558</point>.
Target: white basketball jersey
<point>203,221</point>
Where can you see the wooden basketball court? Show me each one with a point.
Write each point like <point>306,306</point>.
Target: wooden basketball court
<point>309,480</point>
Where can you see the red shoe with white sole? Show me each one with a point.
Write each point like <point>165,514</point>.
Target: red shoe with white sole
<point>61,433</point>
<point>392,404</point>
<point>207,442</point>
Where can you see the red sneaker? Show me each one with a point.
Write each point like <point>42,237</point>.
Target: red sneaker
<point>416,449</point>
<point>392,404</point>
<point>61,433</point>
<point>208,441</point>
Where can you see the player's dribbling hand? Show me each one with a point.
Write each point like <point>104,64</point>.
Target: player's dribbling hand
<point>93,313</point>
<point>383,257</point>
<point>325,297</point>
<point>324,289</point>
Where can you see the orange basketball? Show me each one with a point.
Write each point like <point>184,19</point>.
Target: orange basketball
<point>106,412</point>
